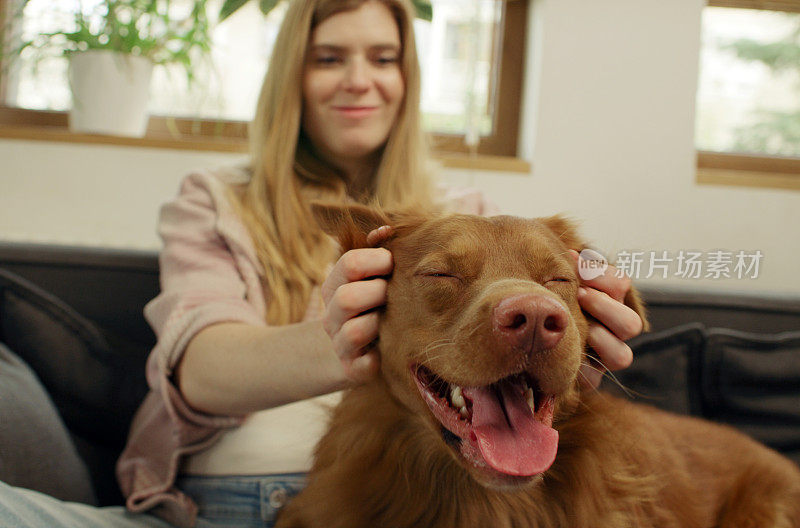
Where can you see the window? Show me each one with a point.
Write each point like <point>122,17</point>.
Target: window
<point>470,55</point>
<point>748,109</point>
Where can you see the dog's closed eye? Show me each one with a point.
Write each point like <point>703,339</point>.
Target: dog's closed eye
<point>439,274</point>
<point>434,273</point>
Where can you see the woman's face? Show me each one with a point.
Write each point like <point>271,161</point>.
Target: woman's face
<point>352,83</point>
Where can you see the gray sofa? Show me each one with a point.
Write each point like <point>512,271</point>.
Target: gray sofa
<point>71,318</point>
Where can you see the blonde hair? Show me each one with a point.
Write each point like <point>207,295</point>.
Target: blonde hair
<point>286,175</point>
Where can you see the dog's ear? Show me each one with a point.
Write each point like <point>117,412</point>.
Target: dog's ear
<point>350,224</point>
<point>566,230</point>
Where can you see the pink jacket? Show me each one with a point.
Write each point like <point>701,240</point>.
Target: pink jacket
<point>209,274</point>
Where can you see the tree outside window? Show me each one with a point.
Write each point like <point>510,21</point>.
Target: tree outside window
<point>748,98</point>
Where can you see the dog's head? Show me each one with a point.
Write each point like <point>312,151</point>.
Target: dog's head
<point>482,332</point>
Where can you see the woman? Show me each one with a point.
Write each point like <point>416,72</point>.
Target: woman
<point>256,325</point>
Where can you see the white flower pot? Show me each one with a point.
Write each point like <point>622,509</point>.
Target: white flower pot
<point>109,93</point>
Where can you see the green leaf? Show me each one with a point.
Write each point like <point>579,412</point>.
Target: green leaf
<point>267,5</point>
<point>143,27</point>
<point>230,7</point>
<point>775,55</point>
<point>424,9</point>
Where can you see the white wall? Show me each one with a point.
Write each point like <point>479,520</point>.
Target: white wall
<point>65,193</point>
<point>607,122</point>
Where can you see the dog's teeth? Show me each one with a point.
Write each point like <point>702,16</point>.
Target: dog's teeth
<point>457,398</point>
<point>464,412</point>
<point>529,398</point>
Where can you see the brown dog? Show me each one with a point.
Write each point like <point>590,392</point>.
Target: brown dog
<point>478,418</point>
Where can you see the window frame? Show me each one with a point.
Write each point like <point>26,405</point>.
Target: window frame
<point>231,136</point>
<point>743,169</point>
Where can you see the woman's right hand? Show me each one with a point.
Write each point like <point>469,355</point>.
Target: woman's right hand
<point>354,287</point>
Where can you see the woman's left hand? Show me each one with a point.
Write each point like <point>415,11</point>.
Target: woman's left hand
<point>603,297</point>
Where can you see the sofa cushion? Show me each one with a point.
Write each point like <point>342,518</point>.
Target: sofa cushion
<point>35,448</point>
<point>762,312</point>
<point>752,381</point>
<point>95,388</point>
<point>665,370</point>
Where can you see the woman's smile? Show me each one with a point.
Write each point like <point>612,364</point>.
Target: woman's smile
<point>356,112</point>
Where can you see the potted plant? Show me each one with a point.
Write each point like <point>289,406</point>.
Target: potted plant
<point>112,50</point>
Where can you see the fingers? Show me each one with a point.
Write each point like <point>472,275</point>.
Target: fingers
<point>376,236</point>
<point>616,287</point>
<point>363,368</point>
<point>355,334</point>
<point>620,319</point>
<point>610,350</point>
<point>612,354</point>
<point>356,265</point>
<point>351,290</point>
<point>351,342</point>
<point>591,375</point>
<point>359,264</point>
<point>602,297</point>
<point>352,299</point>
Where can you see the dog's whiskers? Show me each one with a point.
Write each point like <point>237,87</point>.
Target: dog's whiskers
<point>439,343</point>
<point>472,332</point>
<point>588,383</point>
<point>432,346</point>
<point>454,369</point>
<point>429,360</point>
<point>606,372</point>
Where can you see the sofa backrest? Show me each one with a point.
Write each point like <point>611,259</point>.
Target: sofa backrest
<point>744,311</point>
<point>74,315</point>
<point>109,288</point>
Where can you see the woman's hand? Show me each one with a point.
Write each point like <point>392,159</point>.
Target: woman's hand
<point>351,293</point>
<point>603,297</point>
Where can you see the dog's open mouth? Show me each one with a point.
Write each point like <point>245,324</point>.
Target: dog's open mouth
<point>504,427</point>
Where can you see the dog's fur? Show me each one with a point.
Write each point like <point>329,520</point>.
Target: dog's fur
<point>387,462</point>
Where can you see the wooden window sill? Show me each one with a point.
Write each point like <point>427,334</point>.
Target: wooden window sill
<point>58,134</point>
<point>483,162</point>
<point>175,136</point>
<point>714,168</point>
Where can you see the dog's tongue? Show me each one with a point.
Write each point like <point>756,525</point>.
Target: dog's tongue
<point>512,442</point>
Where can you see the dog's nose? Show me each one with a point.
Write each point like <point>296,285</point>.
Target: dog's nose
<point>530,321</point>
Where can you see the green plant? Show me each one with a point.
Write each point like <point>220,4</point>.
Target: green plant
<point>423,7</point>
<point>773,132</point>
<point>147,28</point>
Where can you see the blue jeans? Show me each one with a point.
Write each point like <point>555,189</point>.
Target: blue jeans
<point>224,502</point>
<point>242,501</point>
